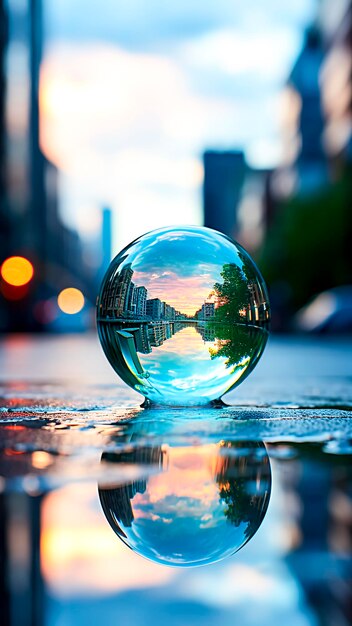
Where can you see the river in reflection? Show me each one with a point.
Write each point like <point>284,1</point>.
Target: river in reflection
<point>181,361</point>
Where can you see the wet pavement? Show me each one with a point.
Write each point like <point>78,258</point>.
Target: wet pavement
<point>85,470</point>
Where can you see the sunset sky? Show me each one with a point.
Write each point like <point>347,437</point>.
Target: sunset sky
<point>186,293</point>
<point>131,96</point>
<point>180,267</point>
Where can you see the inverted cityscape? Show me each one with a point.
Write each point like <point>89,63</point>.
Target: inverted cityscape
<point>192,504</point>
<point>207,323</point>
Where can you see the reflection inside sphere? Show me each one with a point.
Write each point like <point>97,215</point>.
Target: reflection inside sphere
<point>199,504</point>
<point>183,315</point>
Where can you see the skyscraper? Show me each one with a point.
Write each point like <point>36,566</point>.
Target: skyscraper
<point>106,239</point>
<point>140,301</point>
<point>154,308</point>
<point>305,81</point>
<point>123,285</point>
<point>29,212</point>
<point>223,179</point>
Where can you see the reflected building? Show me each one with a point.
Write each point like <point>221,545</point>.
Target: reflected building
<point>116,295</point>
<point>207,311</point>
<point>208,333</point>
<point>124,287</point>
<point>257,310</point>
<point>317,492</point>
<point>120,497</point>
<point>140,301</point>
<point>153,308</point>
<point>130,299</point>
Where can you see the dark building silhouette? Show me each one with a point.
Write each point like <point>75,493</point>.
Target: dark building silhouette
<point>106,239</point>
<point>335,20</point>
<point>304,78</point>
<point>131,307</point>
<point>321,525</point>
<point>154,308</point>
<point>30,222</point>
<point>116,501</point>
<point>223,179</point>
<point>140,301</point>
<point>3,44</point>
<point>123,288</point>
<point>304,167</point>
<point>22,594</point>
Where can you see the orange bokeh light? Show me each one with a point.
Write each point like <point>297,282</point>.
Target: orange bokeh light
<point>17,271</point>
<point>70,300</point>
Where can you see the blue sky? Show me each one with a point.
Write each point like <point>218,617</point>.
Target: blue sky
<point>134,91</point>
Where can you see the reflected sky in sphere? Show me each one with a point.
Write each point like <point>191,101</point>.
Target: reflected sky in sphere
<point>183,315</point>
<point>202,503</point>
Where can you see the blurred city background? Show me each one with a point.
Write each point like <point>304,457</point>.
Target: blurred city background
<point>117,121</point>
<point>122,116</point>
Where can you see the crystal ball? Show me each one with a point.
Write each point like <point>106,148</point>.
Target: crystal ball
<point>194,504</point>
<point>183,315</point>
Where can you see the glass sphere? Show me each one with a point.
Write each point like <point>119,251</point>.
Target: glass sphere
<point>182,315</point>
<point>194,505</point>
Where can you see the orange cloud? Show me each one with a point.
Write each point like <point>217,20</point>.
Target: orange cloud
<point>80,554</point>
<point>189,474</point>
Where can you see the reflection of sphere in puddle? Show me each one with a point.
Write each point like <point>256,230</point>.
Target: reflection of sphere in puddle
<point>201,504</point>
<point>182,315</point>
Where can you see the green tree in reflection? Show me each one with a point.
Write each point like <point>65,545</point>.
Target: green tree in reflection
<point>236,342</point>
<point>232,343</point>
<point>236,478</point>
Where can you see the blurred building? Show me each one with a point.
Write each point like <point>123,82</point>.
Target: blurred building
<point>106,239</point>
<point>303,168</point>
<point>318,495</point>
<point>22,592</point>
<point>309,195</point>
<point>317,107</point>
<point>335,20</point>
<point>254,209</point>
<point>31,225</point>
<point>224,174</point>
<point>3,45</point>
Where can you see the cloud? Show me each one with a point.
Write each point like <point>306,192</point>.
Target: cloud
<point>139,24</point>
<point>184,252</point>
<point>132,94</point>
<point>134,23</point>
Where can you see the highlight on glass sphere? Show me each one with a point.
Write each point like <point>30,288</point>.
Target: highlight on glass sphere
<point>196,505</point>
<point>183,315</point>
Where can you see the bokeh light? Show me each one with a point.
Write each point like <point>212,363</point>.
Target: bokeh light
<point>70,300</point>
<point>17,271</point>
